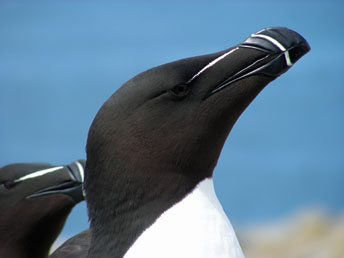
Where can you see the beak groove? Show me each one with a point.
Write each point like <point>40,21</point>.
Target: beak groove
<point>72,187</point>
<point>282,48</point>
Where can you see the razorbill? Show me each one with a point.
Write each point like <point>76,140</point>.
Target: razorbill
<point>35,200</point>
<point>155,142</point>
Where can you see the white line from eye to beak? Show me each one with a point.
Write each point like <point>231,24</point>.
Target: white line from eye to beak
<point>213,63</point>
<point>37,174</point>
<point>277,44</point>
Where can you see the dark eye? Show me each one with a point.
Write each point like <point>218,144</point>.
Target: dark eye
<point>8,185</point>
<point>180,91</point>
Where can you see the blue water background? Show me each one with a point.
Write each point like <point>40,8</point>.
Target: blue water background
<point>60,60</point>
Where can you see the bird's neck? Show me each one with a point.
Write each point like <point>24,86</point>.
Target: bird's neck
<point>195,227</point>
<point>32,234</point>
<point>126,206</point>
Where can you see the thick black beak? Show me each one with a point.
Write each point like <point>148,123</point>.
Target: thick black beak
<point>287,44</point>
<point>72,187</point>
<point>282,47</point>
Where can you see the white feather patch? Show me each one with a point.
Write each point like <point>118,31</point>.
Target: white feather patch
<point>196,227</point>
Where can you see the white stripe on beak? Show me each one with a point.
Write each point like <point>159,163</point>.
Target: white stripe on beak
<point>81,170</point>
<point>212,63</point>
<point>37,174</point>
<point>277,44</point>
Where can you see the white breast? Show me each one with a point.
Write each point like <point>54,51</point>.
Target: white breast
<point>196,227</point>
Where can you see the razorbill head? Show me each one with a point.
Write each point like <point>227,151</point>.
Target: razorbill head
<point>155,142</point>
<point>35,200</point>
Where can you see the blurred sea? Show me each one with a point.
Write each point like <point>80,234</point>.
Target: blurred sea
<point>59,61</point>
